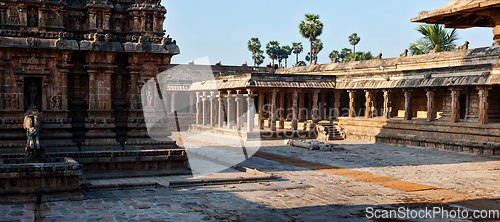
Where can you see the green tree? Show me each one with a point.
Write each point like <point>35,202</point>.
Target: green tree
<point>285,52</point>
<point>354,40</point>
<point>300,63</point>
<point>361,56</point>
<point>317,47</point>
<point>273,49</point>
<point>259,58</point>
<point>334,55</point>
<point>310,29</point>
<point>434,35</point>
<point>309,58</point>
<point>254,47</point>
<point>297,49</point>
<point>344,53</point>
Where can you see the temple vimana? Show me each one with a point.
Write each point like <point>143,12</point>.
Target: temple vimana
<point>81,65</point>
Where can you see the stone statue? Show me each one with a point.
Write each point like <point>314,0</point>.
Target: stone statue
<point>404,54</point>
<point>31,125</point>
<point>32,89</point>
<point>463,47</point>
<point>33,17</point>
<point>435,50</point>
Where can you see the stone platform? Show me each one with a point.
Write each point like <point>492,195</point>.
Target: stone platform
<point>21,176</point>
<point>256,135</point>
<point>459,137</point>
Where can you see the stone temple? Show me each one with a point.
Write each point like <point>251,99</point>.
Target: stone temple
<point>80,64</point>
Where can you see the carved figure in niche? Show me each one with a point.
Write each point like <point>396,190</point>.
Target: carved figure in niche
<point>99,20</point>
<point>33,17</point>
<point>149,22</point>
<point>33,90</point>
<point>76,24</point>
<point>31,125</point>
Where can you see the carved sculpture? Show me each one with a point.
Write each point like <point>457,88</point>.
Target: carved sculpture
<point>463,47</point>
<point>435,50</point>
<point>379,56</point>
<point>32,127</point>
<point>404,54</point>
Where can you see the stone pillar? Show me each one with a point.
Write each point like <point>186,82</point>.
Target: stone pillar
<point>229,110</point>
<point>239,111</point>
<point>108,73</point>
<point>198,108</point>
<point>191,102</point>
<point>352,102</point>
<point>281,110</point>
<point>272,124</point>
<point>262,97</point>
<point>431,116</point>
<point>368,106</point>
<point>315,110</point>
<point>295,109</point>
<point>251,110</point>
<point>301,106</point>
<point>92,20</point>
<point>483,103</point>
<point>172,101</point>
<point>204,109</point>
<point>322,106</point>
<point>221,110</point>
<point>387,104</point>
<point>408,113</point>
<point>213,109</point>
<point>269,100</point>
<point>337,103</point>
<point>455,105</point>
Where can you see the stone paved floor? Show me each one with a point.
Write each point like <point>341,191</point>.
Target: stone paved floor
<point>299,195</point>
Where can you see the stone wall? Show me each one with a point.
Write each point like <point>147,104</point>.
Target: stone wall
<point>462,137</point>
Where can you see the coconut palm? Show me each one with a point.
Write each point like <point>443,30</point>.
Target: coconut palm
<point>273,49</point>
<point>334,55</point>
<point>434,35</point>
<point>310,29</point>
<point>354,40</point>
<point>254,47</point>
<point>297,49</point>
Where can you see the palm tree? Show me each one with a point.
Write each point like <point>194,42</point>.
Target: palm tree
<point>434,35</point>
<point>344,53</point>
<point>254,47</point>
<point>259,57</point>
<point>286,51</point>
<point>297,49</point>
<point>334,55</point>
<point>317,47</point>
<point>354,40</point>
<point>273,49</point>
<point>310,29</point>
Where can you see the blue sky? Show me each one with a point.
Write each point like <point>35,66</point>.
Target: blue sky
<point>221,29</point>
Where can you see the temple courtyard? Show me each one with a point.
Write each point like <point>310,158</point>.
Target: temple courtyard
<point>284,183</point>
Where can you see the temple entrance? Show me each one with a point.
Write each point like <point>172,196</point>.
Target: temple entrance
<point>32,93</point>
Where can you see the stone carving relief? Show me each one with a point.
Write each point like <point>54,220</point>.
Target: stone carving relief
<point>13,15</point>
<point>33,42</point>
<point>33,17</point>
<point>55,102</point>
